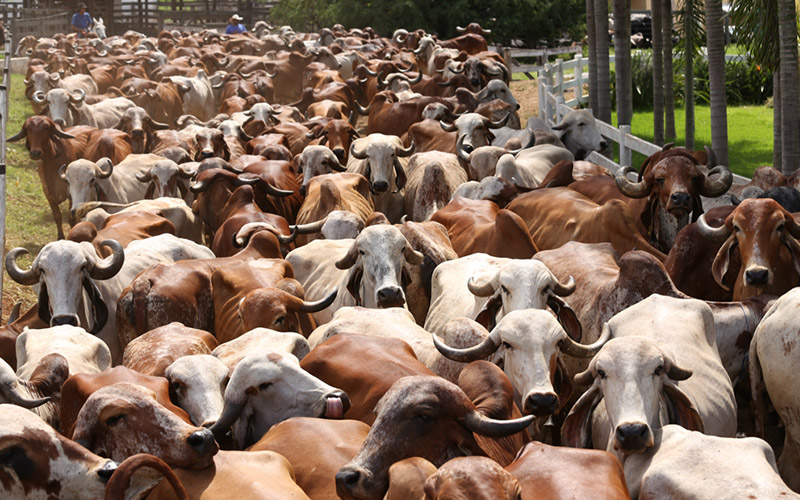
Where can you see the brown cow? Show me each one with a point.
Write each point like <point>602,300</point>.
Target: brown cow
<point>123,227</point>
<point>479,226</point>
<point>152,352</point>
<point>108,143</point>
<point>139,127</point>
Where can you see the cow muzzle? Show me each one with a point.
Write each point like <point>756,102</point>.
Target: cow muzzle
<point>380,186</point>
<point>339,152</point>
<point>336,405</point>
<point>36,154</point>
<point>633,437</point>
<point>680,202</point>
<point>756,276</point>
<point>540,404</point>
<point>391,296</point>
<point>354,483</point>
<point>64,319</point>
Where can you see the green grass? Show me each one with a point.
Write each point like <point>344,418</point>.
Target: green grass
<point>749,134</point>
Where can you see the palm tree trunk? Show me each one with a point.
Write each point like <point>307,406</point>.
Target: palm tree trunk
<point>603,78</point>
<point>790,87</point>
<point>592,45</point>
<point>658,74</point>
<point>776,120</point>
<point>715,41</point>
<point>688,73</point>
<point>622,61</point>
<point>669,92</point>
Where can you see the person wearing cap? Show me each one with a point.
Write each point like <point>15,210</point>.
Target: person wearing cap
<point>82,21</point>
<point>235,25</point>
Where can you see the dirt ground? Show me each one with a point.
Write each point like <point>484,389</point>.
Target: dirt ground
<point>527,94</point>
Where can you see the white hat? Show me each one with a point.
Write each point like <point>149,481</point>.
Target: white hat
<point>237,17</point>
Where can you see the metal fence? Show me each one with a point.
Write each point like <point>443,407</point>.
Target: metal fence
<point>39,22</point>
<point>4,90</point>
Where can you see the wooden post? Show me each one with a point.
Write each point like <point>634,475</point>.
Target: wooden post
<point>579,79</point>
<point>548,91</point>
<point>560,77</point>
<point>559,102</point>
<point>4,89</point>
<point>541,92</point>
<point>507,58</point>
<point>625,156</point>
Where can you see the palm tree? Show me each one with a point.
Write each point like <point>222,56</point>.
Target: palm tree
<point>622,61</point>
<point>592,46</point>
<point>789,87</point>
<point>669,94</point>
<point>691,28</point>
<point>658,73</point>
<point>715,41</point>
<point>603,77</point>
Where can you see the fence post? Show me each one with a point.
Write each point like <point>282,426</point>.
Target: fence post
<point>624,152</point>
<point>560,76</point>
<point>579,79</point>
<point>506,53</point>
<point>541,93</point>
<point>548,91</point>
<point>559,102</point>
<point>4,89</point>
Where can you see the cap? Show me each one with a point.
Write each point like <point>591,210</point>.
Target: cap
<point>237,17</point>
<point>81,5</point>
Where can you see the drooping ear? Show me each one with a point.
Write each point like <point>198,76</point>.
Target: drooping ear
<point>680,409</point>
<point>98,306</point>
<point>354,284</point>
<point>721,261</point>
<point>566,316</point>
<point>44,304</point>
<point>562,382</point>
<point>794,249</point>
<point>576,431</point>
<point>488,315</point>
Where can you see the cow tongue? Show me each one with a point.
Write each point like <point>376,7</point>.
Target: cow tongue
<point>334,408</point>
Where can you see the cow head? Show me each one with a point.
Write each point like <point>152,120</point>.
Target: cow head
<point>474,130</point>
<point>42,137</point>
<point>61,269</point>
<point>578,131</point>
<point>196,384</point>
<point>139,126</point>
<point>82,176</point>
<point>38,462</point>
<point>266,389</point>
<point>124,419</point>
<point>211,143</point>
<point>281,308</point>
<point>478,478</point>
<point>41,81</point>
<point>316,160</point>
<point>375,260</point>
<point>422,416</point>
<point>526,344</point>
<point>60,105</point>
<point>760,228</point>
<point>337,135</point>
<point>165,178</point>
<point>636,378</point>
<point>382,165</point>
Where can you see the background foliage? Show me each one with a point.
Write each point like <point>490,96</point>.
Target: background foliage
<point>526,20</point>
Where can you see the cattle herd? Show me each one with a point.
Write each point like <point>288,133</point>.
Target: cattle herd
<point>337,265</point>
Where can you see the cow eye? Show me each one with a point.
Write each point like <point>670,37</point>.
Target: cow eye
<point>780,228</point>
<point>177,386</point>
<point>111,422</point>
<point>264,386</point>
<point>601,374</point>
<point>361,252</point>
<point>581,124</point>
<point>659,371</point>
<point>736,229</point>
<point>503,289</point>
<point>279,321</point>
<point>423,418</point>
<point>660,181</point>
<point>507,345</point>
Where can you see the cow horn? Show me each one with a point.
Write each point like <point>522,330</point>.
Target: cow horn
<point>462,153</point>
<point>54,76</point>
<point>359,155</point>
<point>448,127</point>
<point>417,79</point>
<point>144,177</point>
<point>311,135</point>
<point>712,233</point>
<point>457,69</point>
<point>491,72</point>
<point>361,109</point>
<point>481,424</point>
<point>484,289</point>
<point>631,189</point>
<point>319,305</point>
<point>562,290</point>
<point>230,412</point>
<point>310,227</point>
<point>62,172</point>
<point>12,394</point>
<point>101,163</point>
<point>278,193</point>
<point>718,186</point>
<point>486,32</point>
<point>405,70</point>
<point>158,125</point>
<point>80,98</point>
<point>370,72</point>
<point>400,174</point>
<point>60,134</point>
<point>338,167</point>
<point>38,97</point>
<point>500,123</point>
<point>470,354</point>
<point>99,272</point>
<point>402,153</point>
<point>19,135</point>
<point>448,83</point>
<point>185,174</point>
<point>711,158</point>
<point>29,277</point>
<point>576,350</point>
<point>26,82</point>
<point>460,29</point>
<point>244,181</point>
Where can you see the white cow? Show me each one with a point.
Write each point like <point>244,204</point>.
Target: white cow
<point>84,352</point>
<point>661,366</point>
<point>187,224</point>
<point>314,161</point>
<point>531,165</point>
<point>42,81</point>
<point>689,465</point>
<point>199,382</point>
<point>433,177</point>
<point>577,131</point>
<point>68,109</point>
<point>366,270</point>
<point>199,100</point>
<point>774,356</point>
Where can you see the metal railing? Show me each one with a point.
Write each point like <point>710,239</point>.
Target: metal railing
<point>5,87</point>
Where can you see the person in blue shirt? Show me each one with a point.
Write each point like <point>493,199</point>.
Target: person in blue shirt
<point>82,21</point>
<point>234,25</point>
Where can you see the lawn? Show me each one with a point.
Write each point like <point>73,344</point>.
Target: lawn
<point>749,134</point>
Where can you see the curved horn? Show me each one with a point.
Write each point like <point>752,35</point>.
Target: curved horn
<point>105,162</point>
<point>448,127</point>
<point>361,109</point>
<point>359,155</point>
<point>29,277</point>
<point>38,97</point>
<point>81,96</point>
<point>462,153</point>
<point>311,135</point>
<point>144,177</point>
<point>230,412</point>
<point>470,354</point>
<point>19,135</point>
<point>460,29</point>
<point>500,123</point>
<point>631,189</point>
<point>402,153</point>
<point>12,395</point>
<point>712,233</point>
<point>58,133</point>
<point>311,227</point>
<point>117,259</point>
<point>576,350</point>
<point>486,32</point>
<point>482,289</point>
<point>338,167</point>
<point>278,193</point>
<point>711,158</point>
<point>485,426</point>
<point>718,186</point>
<point>62,172</point>
<point>562,289</point>
<point>319,304</point>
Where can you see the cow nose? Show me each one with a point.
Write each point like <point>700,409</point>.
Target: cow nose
<point>346,481</point>
<point>474,82</point>
<point>200,440</point>
<point>540,404</point>
<point>202,155</point>
<point>680,199</point>
<point>138,132</point>
<point>390,296</point>
<point>64,319</point>
<point>36,153</point>
<point>516,108</point>
<point>756,276</point>
<point>380,186</point>
<point>339,152</point>
<point>632,436</point>
<point>603,145</point>
<point>303,190</point>
<point>106,471</point>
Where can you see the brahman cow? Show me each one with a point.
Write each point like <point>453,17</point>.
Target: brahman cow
<point>577,130</point>
<point>67,109</point>
<point>433,176</point>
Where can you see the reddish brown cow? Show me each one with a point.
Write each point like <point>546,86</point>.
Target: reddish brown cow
<point>54,147</point>
<point>288,75</point>
<point>108,143</point>
<point>337,135</point>
<point>139,127</point>
<point>471,43</point>
<point>388,115</point>
<point>284,198</point>
<point>123,228</point>
<point>479,226</point>
<point>427,135</point>
<point>164,103</point>
<point>555,216</point>
<point>151,353</point>
<point>296,135</point>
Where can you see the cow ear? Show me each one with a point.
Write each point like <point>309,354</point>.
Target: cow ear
<point>576,431</point>
<point>563,382</point>
<point>44,304</point>
<point>680,409</point>
<point>566,316</point>
<point>354,284</point>
<point>488,315</point>
<point>720,264</point>
<point>794,249</point>
<point>98,306</point>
